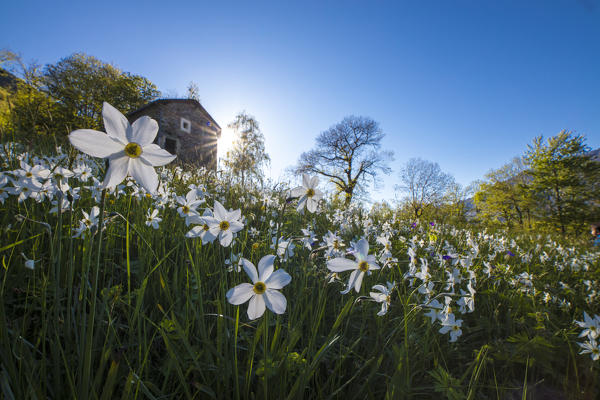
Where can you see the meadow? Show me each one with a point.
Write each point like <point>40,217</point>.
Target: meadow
<point>120,293</point>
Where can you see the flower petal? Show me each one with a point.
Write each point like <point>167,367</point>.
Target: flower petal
<point>275,301</point>
<point>235,226</point>
<point>144,174</point>
<point>95,143</point>
<point>297,192</point>
<point>350,281</point>
<point>301,203</point>
<point>305,181</point>
<point>250,270</point>
<point>117,171</point>
<point>314,181</point>
<point>115,123</point>
<point>278,279</point>
<point>265,267</point>
<point>381,288</point>
<point>225,238</point>
<point>220,211</point>
<point>240,294</point>
<point>358,281</point>
<point>256,308</point>
<point>143,131</point>
<point>311,204</point>
<point>363,248</point>
<point>341,264</point>
<point>155,156</point>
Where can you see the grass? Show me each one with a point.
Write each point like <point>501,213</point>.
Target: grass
<point>129,312</point>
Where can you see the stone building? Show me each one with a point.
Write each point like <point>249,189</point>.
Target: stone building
<point>185,128</point>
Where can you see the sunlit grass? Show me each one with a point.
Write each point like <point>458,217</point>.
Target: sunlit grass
<point>136,312</point>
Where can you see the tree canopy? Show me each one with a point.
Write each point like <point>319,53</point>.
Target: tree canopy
<point>81,83</point>
<point>349,154</point>
<point>68,95</point>
<point>565,180</point>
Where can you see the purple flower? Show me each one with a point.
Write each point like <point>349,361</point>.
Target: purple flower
<point>447,258</point>
<point>432,223</point>
<point>510,253</point>
<point>414,225</point>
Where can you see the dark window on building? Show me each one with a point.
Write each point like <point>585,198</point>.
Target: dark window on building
<point>171,145</point>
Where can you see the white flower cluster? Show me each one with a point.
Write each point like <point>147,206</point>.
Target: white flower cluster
<point>590,330</point>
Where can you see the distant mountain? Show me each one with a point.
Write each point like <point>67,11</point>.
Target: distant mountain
<point>595,154</point>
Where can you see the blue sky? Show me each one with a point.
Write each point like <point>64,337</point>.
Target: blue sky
<point>467,84</point>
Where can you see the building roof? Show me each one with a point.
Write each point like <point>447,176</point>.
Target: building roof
<point>165,101</point>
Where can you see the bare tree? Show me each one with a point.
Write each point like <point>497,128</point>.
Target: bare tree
<point>348,154</point>
<point>424,183</point>
<point>193,91</point>
<point>248,155</point>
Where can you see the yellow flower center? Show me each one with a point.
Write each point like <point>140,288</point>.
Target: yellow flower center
<point>255,246</point>
<point>310,192</point>
<point>336,244</point>
<point>185,209</point>
<point>133,150</point>
<point>28,174</point>
<point>363,266</point>
<point>455,327</point>
<point>205,227</point>
<point>259,288</point>
<point>148,195</point>
<point>224,225</point>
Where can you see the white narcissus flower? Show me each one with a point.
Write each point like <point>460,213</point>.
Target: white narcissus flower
<point>187,206</point>
<point>449,324</point>
<point>128,147</point>
<point>224,223</point>
<point>591,326</point>
<point>308,193</point>
<point>384,297</point>
<point>152,219</point>
<point>590,347</point>
<point>203,230</point>
<point>263,290</point>
<point>363,264</point>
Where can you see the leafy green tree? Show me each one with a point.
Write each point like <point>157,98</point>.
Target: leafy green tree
<point>81,83</point>
<point>349,155</point>
<point>565,180</point>
<point>248,155</point>
<point>505,196</point>
<point>25,110</point>
<point>455,205</point>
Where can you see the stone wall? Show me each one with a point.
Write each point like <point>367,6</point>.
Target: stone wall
<point>186,129</point>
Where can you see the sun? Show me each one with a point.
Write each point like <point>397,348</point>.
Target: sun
<point>225,142</point>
